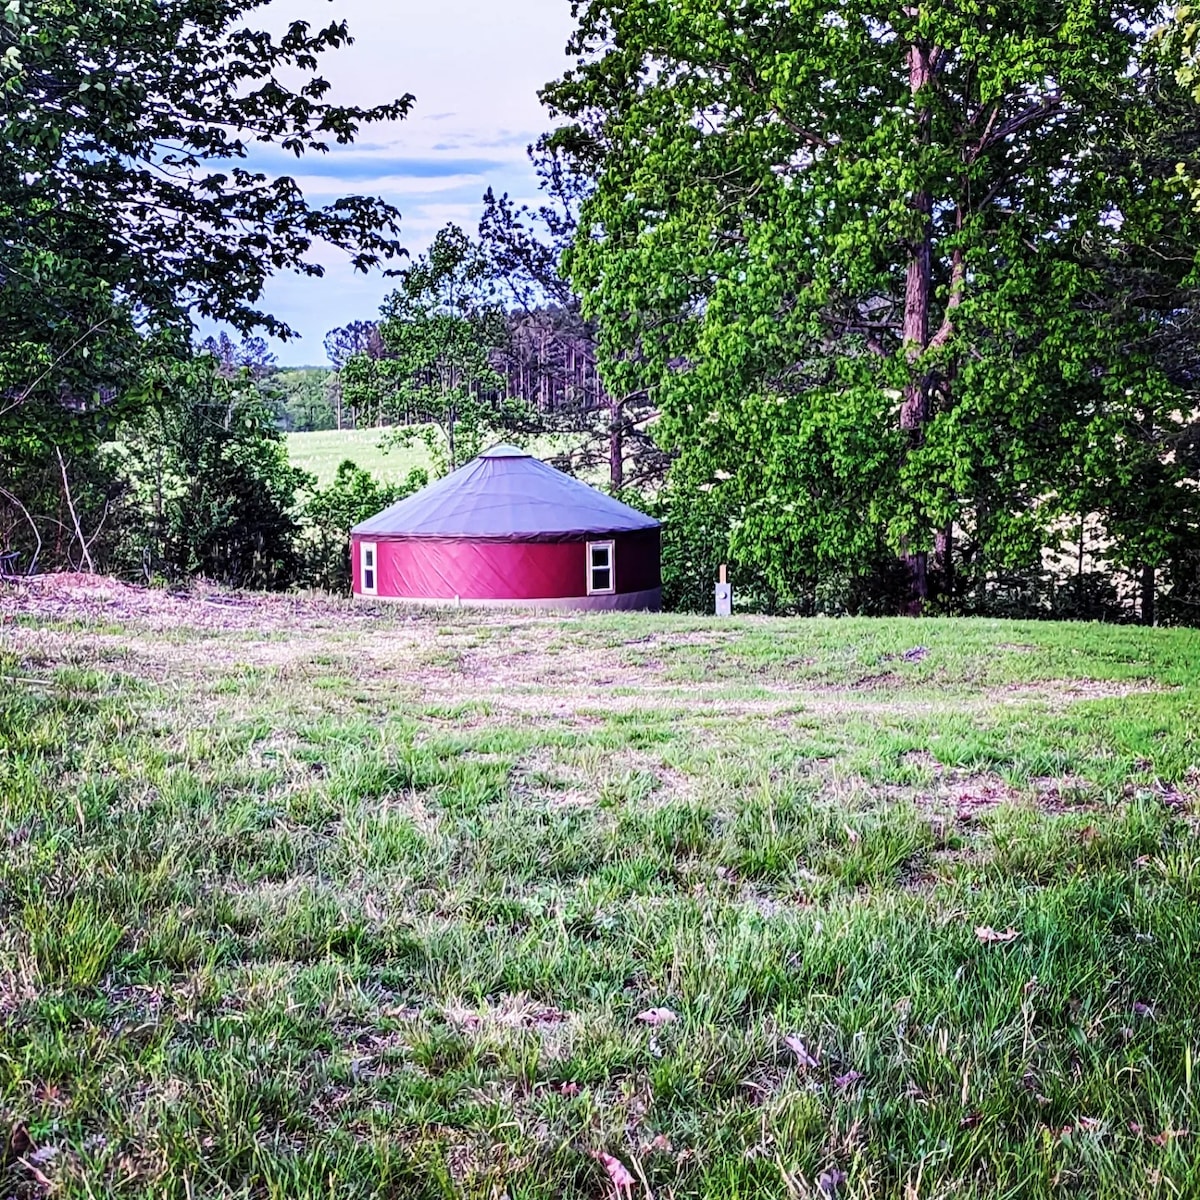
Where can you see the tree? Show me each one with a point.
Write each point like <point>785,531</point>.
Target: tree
<point>328,514</point>
<point>851,249</point>
<point>302,398</point>
<point>343,344</point>
<point>441,330</point>
<point>251,356</point>
<point>359,337</point>
<point>130,123</point>
<point>129,201</point>
<point>551,357</point>
<point>208,486</point>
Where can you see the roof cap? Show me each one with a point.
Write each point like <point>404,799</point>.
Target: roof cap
<point>504,450</point>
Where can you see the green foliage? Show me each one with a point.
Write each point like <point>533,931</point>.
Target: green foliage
<point>126,126</point>
<point>897,276</point>
<point>329,513</point>
<point>210,490</point>
<point>440,331</point>
<point>303,399</point>
<point>129,205</point>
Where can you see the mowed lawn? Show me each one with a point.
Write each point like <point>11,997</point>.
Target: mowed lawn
<point>322,452</point>
<point>299,898</point>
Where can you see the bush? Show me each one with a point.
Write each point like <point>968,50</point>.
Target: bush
<point>329,514</point>
<point>207,488</point>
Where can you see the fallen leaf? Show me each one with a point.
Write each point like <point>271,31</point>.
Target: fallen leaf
<point>850,1077</point>
<point>829,1181</point>
<point>569,1089</point>
<point>986,934</point>
<point>621,1178</point>
<point>41,1179</point>
<point>970,1120</point>
<point>19,1143</point>
<point>1134,1127</point>
<point>1167,1135</point>
<point>656,1016</point>
<point>658,1143</point>
<point>1143,1010</point>
<point>801,1051</point>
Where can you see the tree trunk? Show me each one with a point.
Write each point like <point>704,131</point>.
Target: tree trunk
<point>616,445</point>
<point>914,412</point>
<point>943,554</point>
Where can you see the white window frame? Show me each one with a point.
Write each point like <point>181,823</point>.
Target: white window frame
<point>363,568</point>
<point>593,567</point>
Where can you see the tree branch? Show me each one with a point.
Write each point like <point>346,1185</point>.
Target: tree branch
<point>1028,116</point>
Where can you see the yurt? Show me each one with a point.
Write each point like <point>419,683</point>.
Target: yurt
<point>508,529</point>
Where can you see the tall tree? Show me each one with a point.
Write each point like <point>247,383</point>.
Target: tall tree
<point>251,356</point>
<point>552,358</point>
<point>343,344</point>
<point>441,330</point>
<point>849,247</point>
<point>359,337</point>
<point>130,201</point>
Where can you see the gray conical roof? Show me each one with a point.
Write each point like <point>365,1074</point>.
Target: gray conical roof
<point>506,494</point>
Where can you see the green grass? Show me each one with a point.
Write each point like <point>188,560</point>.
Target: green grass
<point>323,452</point>
<point>354,902</point>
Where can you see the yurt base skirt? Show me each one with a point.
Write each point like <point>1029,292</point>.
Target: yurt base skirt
<point>648,600</point>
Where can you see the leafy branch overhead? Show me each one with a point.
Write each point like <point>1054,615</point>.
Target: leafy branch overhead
<point>134,124</point>
<point>131,203</point>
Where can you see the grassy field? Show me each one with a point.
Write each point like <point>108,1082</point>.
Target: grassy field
<point>305,899</point>
<point>323,452</point>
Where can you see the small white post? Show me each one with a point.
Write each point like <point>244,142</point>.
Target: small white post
<point>724,595</point>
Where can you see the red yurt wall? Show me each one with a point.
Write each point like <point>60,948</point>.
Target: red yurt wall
<point>449,569</point>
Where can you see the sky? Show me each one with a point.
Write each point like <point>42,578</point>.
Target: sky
<point>475,67</point>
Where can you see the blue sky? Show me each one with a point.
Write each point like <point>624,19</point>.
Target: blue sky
<point>475,67</point>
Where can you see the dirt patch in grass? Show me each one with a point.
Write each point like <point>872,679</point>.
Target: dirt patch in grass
<point>1061,693</point>
<point>98,599</point>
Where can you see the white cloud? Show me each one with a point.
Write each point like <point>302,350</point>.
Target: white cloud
<point>475,67</point>
<point>393,188</point>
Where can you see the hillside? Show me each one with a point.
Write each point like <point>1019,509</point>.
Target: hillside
<point>301,897</point>
<point>324,451</point>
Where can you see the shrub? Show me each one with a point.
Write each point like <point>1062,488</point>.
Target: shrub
<point>329,514</point>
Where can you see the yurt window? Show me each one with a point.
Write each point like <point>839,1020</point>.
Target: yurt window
<point>600,568</point>
<point>367,562</point>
